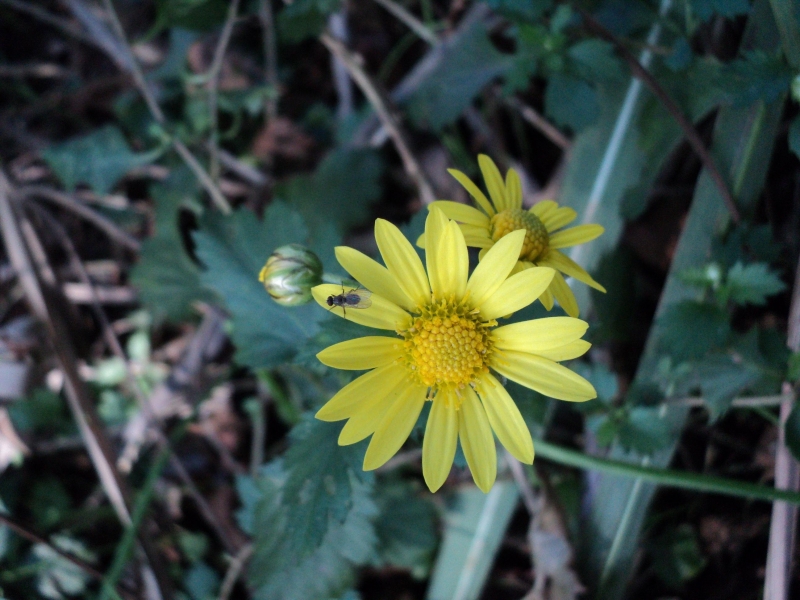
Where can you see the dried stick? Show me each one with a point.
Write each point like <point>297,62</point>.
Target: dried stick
<point>35,538</point>
<point>71,204</point>
<point>380,103</point>
<point>267,19</point>
<point>549,130</point>
<point>131,65</point>
<point>233,573</point>
<point>213,86</point>
<point>787,476</point>
<point>83,410</point>
<point>412,22</point>
<point>694,139</point>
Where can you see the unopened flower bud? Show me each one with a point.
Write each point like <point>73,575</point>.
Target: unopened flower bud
<point>289,274</point>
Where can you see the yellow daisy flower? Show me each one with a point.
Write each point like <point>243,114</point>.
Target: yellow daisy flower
<point>543,223</point>
<point>447,345</point>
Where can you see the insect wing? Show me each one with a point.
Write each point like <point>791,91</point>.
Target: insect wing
<point>359,299</point>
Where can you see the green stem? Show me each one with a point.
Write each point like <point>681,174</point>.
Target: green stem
<point>666,477</point>
<point>126,544</point>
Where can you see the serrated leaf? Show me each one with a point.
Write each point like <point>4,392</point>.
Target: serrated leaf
<point>233,250</point>
<point>276,572</point>
<point>705,9</point>
<point>571,102</point>
<point>741,82</point>
<point>691,329</point>
<point>644,430</point>
<point>721,379</point>
<point>99,159</point>
<point>318,490</point>
<point>406,527</point>
<point>752,284</point>
<point>345,178</point>
<point>465,64</point>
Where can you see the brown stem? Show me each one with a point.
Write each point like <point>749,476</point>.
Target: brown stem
<point>688,128</point>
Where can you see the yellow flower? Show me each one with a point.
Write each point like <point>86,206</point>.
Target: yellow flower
<point>504,214</point>
<point>446,347</point>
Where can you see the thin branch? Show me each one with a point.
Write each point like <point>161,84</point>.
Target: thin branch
<point>529,497</point>
<point>380,103</point>
<point>547,129</point>
<point>35,538</point>
<point>412,22</point>
<point>337,26</point>
<point>267,19</point>
<point>71,204</point>
<point>131,66</point>
<point>744,402</point>
<point>212,84</point>
<point>238,563</point>
<point>694,139</point>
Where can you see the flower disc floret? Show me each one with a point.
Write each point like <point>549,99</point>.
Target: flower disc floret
<point>448,345</point>
<point>514,219</point>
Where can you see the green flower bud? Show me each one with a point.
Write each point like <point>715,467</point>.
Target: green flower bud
<point>290,273</point>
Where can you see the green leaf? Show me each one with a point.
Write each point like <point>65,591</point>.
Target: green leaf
<point>475,524</point>
<point>57,577</point>
<point>741,82</point>
<point>304,18</point>
<point>318,490</point>
<point>705,9</point>
<point>233,250</point>
<point>571,102</point>
<point>523,10</point>
<point>793,371</point>
<point>721,379</point>
<point>752,284</point>
<point>202,582</point>
<point>677,557</point>
<point>167,278</point>
<point>466,63</point>
<point>792,431</point>
<point>406,527</point>
<point>200,15</point>
<point>275,570</point>
<point>691,329</point>
<point>644,430</point>
<point>348,178</point>
<point>99,159</point>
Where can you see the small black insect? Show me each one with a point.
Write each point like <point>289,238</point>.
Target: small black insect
<point>355,298</point>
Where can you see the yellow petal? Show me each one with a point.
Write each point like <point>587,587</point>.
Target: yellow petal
<point>543,208</point>
<point>575,235</point>
<point>395,427</point>
<point>402,261</point>
<point>538,335</point>
<point>561,262</point>
<point>372,275</point>
<point>567,351</point>
<point>369,414</point>
<point>446,255</point>
<point>476,237</point>
<point>380,314</point>
<point>564,295</point>
<point>542,375</point>
<point>506,420</point>
<point>477,441</point>
<point>558,218</point>
<point>473,190</point>
<point>494,267</point>
<point>494,182</point>
<point>348,399</point>
<point>547,299</point>
<point>439,444</point>
<point>516,292</point>
<point>362,353</point>
<point>462,213</point>
<point>513,189</point>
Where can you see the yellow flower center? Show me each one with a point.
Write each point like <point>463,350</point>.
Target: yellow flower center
<point>513,219</point>
<point>448,345</point>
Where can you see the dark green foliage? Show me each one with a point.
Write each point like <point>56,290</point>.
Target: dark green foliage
<point>752,284</point>
<point>521,10</point>
<point>304,18</point>
<point>705,9</point>
<point>191,14</point>
<point>794,137</point>
<point>721,378</point>
<point>677,556</point>
<point>468,62</point>
<point>276,571</point>
<point>571,102</point>
<point>792,431</point>
<point>691,329</point>
<point>319,485</point>
<point>233,249</point>
<point>99,159</point>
